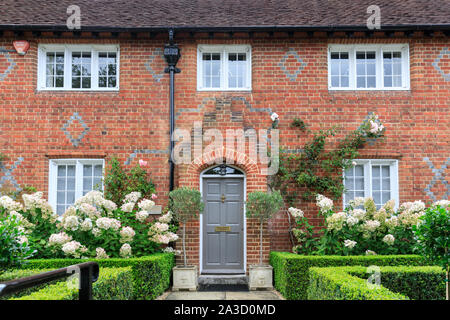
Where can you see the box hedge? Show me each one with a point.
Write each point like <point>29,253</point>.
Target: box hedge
<point>112,284</point>
<point>150,275</point>
<point>418,283</point>
<point>291,271</point>
<point>338,284</point>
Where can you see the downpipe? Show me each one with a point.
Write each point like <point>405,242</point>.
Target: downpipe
<point>172,55</point>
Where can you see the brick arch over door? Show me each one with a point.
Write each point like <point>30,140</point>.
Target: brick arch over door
<point>189,176</point>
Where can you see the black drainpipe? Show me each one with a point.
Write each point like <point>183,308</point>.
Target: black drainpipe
<point>172,55</point>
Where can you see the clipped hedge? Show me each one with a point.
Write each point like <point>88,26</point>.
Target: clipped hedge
<point>150,275</point>
<point>112,284</point>
<point>418,283</point>
<point>291,271</point>
<point>16,274</point>
<point>338,284</point>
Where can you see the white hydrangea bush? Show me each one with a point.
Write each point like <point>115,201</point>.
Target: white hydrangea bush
<point>362,229</point>
<point>97,227</point>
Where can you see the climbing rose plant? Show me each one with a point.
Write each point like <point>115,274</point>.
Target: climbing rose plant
<point>317,171</point>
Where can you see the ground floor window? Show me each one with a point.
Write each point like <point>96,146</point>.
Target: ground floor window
<point>372,178</point>
<point>70,179</point>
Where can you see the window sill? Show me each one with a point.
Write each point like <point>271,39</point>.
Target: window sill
<point>78,90</point>
<point>368,89</point>
<point>226,90</point>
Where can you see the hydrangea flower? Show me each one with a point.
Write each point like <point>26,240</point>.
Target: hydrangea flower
<point>127,207</point>
<point>125,251</point>
<point>350,243</point>
<point>146,205</point>
<point>132,197</point>
<point>101,253</point>
<point>389,239</point>
<point>325,204</point>
<point>296,213</point>
<point>127,234</point>
<point>142,215</point>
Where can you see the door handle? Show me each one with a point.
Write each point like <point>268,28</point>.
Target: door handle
<point>223,198</point>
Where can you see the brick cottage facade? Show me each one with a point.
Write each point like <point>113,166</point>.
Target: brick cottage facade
<point>50,120</point>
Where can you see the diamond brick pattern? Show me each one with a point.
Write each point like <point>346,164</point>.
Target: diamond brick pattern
<point>75,140</point>
<point>284,65</point>
<point>442,54</point>
<point>9,68</point>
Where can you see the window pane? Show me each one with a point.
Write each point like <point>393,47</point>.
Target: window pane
<point>359,183</point>
<point>376,184</point>
<point>62,171</point>
<point>339,69</point>
<point>365,69</point>
<point>98,170</point>
<point>71,171</point>
<point>211,70</point>
<point>81,70</point>
<point>87,184</point>
<point>359,170</point>
<point>87,170</point>
<point>236,70</point>
<point>71,184</point>
<point>61,184</point>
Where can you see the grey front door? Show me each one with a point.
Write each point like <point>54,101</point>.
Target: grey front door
<point>223,225</point>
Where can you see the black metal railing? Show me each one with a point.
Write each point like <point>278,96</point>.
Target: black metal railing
<point>88,273</point>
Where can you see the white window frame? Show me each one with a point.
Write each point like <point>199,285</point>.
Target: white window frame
<point>53,176</point>
<point>367,165</point>
<point>224,50</point>
<point>379,70</point>
<point>68,49</point>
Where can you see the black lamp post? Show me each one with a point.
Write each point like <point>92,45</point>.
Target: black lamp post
<point>172,55</point>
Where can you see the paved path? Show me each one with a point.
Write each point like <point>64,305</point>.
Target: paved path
<point>226,295</point>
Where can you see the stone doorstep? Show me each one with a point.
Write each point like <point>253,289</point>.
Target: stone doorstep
<point>221,279</point>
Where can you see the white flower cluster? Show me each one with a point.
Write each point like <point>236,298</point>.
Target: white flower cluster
<point>35,201</point>
<point>442,203</point>
<point>410,212</point>
<point>9,204</point>
<point>389,239</point>
<point>101,253</point>
<point>350,243</point>
<point>325,204</point>
<point>296,213</point>
<point>106,223</point>
<point>59,239</point>
<point>172,250</point>
<point>159,231</point>
<point>127,207</point>
<point>125,250</point>
<point>146,205</point>
<point>371,225</point>
<point>27,225</point>
<point>74,249</point>
<point>127,234</point>
<point>166,218</point>
<point>142,215</point>
<point>132,197</point>
<point>336,221</point>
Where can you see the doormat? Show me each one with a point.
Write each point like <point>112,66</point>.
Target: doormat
<point>223,287</point>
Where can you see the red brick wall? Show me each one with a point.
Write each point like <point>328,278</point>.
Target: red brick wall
<point>137,117</point>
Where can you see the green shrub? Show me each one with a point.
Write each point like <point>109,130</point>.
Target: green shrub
<point>418,283</point>
<point>291,271</point>
<point>151,274</point>
<point>119,181</point>
<point>349,283</point>
<point>14,247</point>
<point>112,284</point>
<point>16,274</point>
<point>337,284</point>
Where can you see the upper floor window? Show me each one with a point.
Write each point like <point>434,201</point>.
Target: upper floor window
<point>372,178</point>
<point>225,67</point>
<point>368,67</point>
<point>78,67</point>
<point>69,179</point>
